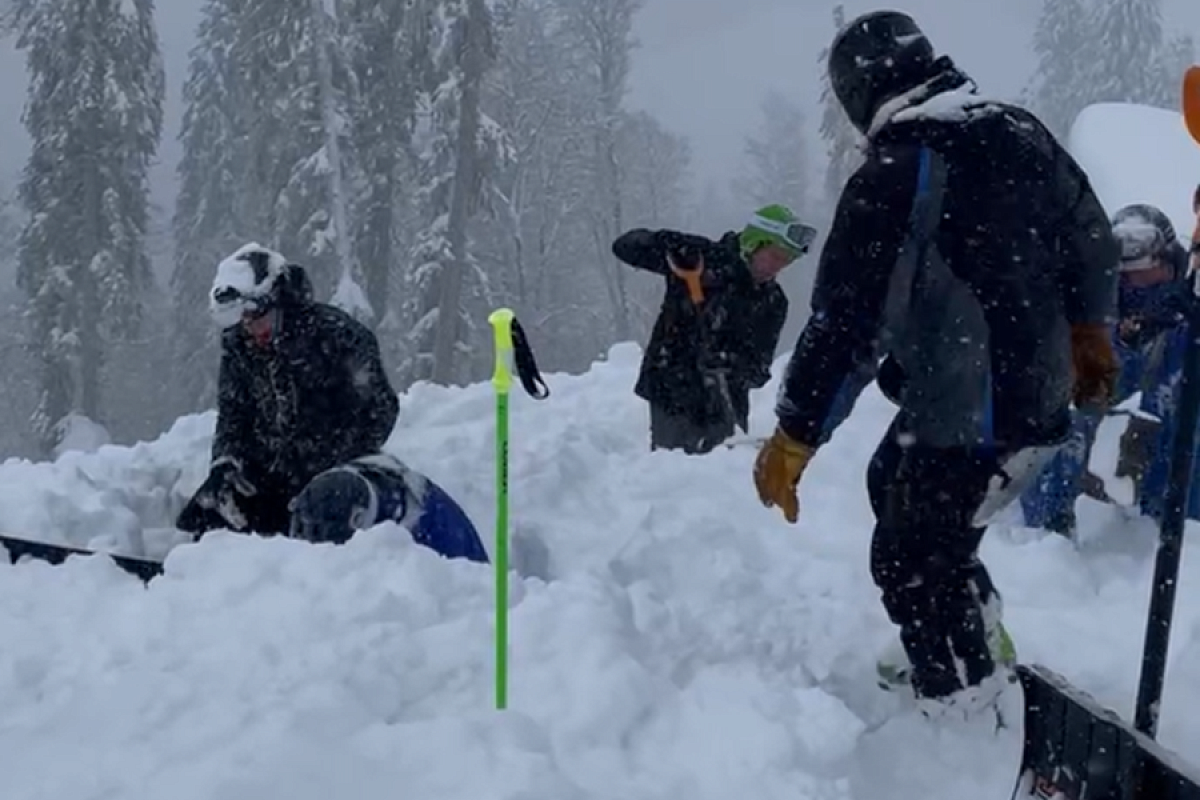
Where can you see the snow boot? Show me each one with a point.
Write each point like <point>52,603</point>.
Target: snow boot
<point>893,668</point>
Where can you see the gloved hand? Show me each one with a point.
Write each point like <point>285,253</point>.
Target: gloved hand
<point>225,484</point>
<point>777,470</point>
<point>1094,365</point>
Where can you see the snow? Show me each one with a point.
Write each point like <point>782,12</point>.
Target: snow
<point>78,432</point>
<point>1125,148</point>
<point>674,638</point>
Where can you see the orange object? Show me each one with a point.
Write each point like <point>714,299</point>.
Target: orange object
<point>691,278</point>
<point>1191,101</point>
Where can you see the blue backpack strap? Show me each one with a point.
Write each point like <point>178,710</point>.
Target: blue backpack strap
<point>924,220</point>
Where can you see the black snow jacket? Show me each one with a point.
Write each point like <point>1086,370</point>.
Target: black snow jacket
<point>973,241</point>
<point>734,331</point>
<point>316,396</point>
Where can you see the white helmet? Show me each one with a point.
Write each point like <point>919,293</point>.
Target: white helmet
<point>245,283</point>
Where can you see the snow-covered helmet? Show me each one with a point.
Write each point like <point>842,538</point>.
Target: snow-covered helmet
<point>1143,233</point>
<point>333,506</point>
<point>245,284</point>
<point>875,58</point>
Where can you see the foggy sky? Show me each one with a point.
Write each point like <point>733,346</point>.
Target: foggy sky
<point>702,65</point>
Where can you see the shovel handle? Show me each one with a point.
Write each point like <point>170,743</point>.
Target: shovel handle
<point>690,278</point>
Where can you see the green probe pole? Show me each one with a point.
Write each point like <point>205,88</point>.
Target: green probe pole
<point>501,321</point>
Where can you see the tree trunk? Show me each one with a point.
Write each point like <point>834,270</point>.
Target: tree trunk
<point>325,30</point>
<point>451,279</point>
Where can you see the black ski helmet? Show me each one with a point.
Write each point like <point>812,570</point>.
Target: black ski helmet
<point>1142,230</point>
<point>875,58</point>
<point>333,506</point>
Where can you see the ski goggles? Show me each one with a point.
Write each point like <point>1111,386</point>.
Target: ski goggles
<point>1138,242</point>
<point>228,305</point>
<point>795,236</point>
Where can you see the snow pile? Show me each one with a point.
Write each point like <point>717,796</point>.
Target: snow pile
<point>105,497</point>
<point>1126,148</point>
<point>77,432</point>
<point>678,641</point>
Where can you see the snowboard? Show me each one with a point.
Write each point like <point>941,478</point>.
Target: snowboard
<point>17,548</point>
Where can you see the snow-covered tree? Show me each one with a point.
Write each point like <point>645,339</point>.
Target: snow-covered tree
<point>388,50</point>
<point>458,147</point>
<point>657,177</point>
<point>312,202</point>
<point>1124,63</point>
<point>603,32</point>
<point>1178,55</point>
<point>1064,42</point>
<point>841,140</point>
<point>94,114</point>
<point>213,175</point>
<point>775,167</point>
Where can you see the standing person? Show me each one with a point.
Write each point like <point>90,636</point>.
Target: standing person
<point>977,243</point>
<point>302,388</point>
<point>719,324</point>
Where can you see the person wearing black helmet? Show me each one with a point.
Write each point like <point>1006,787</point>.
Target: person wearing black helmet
<point>973,239</point>
<point>380,488</point>
<point>301,389</point>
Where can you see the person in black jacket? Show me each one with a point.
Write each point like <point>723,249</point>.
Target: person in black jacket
<point>719,324</point>
<point>302,389</point>
<point>976,242</point>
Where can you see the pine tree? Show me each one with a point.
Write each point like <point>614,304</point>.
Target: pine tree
<point>1178,55</point>
<point>776,157</point>
<point>603,32</point>
<point>386,50</point>
<point>94,114</point>
<point>1125,64</point>
<point>313,196</point>
<point>841,140</point>
<point>1064,42</point>
<point>213,182</point>
<point>458,147</point>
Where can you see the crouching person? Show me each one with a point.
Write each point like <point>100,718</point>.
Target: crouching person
<point>374,489</point>
<point>302,389</point>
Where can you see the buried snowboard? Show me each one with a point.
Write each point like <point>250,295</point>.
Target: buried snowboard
<point>52,553</point>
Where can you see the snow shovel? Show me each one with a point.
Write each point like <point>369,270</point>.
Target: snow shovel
<point>691,278</point>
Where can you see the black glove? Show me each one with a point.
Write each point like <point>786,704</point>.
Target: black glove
<point>681,252</point>
<point>225,484</point>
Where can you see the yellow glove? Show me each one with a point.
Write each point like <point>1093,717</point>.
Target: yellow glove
<point>777,470</point>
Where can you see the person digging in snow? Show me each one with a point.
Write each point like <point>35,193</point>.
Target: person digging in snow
<point>976,242</point>
<point>719,324</point>
<point>1149,339</point>
<point>301,389</point>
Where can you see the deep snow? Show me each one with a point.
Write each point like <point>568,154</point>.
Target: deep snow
<point>1139,154</point>
<point>681,640</point>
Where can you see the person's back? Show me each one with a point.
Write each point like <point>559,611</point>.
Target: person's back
<point>380,488</point>
<point>1005,198</point>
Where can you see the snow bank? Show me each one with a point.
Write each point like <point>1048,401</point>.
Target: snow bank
<point>679,640</point>
<point>1139,154</point>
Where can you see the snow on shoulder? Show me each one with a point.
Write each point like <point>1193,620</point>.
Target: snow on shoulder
<point>676,640</point>
<point>1138,154</point>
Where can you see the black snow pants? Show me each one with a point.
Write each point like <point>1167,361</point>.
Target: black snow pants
<point>674,431</point>
<point>924,557</point>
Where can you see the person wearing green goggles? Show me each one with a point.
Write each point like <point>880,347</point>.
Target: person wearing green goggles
<point>719,324</point>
